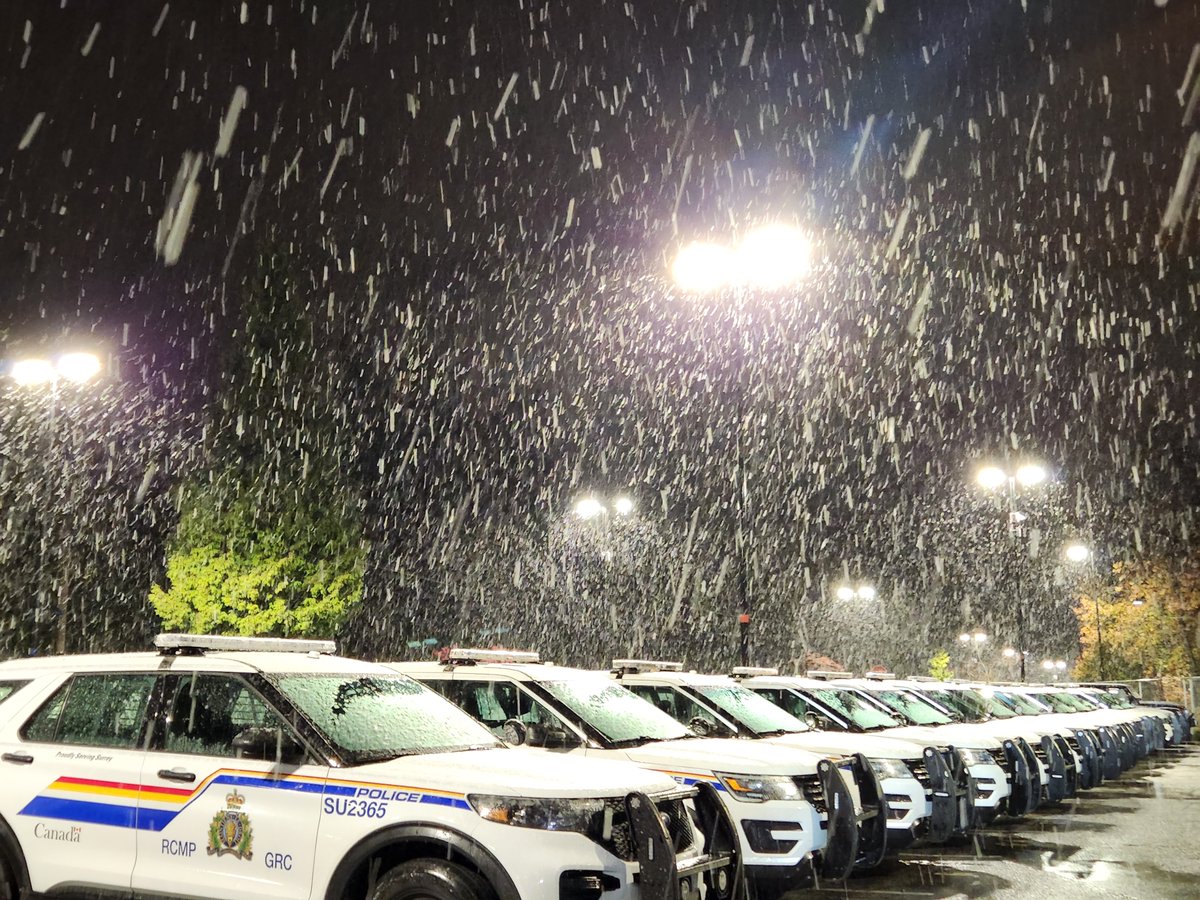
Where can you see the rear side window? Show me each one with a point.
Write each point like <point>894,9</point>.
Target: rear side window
<point>8,688</point>
<point>100,710</point>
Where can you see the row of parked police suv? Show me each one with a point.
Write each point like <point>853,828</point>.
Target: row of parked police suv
<point>229,768</point>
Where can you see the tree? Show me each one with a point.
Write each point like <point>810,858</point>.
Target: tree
<point>939,665</point>
<point>270,536</point>
<point>1149,620</point>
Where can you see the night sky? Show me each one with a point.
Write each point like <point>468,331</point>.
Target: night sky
<point>480,202</point>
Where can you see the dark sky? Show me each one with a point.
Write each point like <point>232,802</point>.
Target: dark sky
<point>496,189</point>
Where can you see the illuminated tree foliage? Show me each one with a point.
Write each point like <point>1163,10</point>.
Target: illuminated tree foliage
<point>1149,616</point>
<point>270,536</point>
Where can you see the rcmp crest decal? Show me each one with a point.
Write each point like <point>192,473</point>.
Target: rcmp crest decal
<point>229,833</point>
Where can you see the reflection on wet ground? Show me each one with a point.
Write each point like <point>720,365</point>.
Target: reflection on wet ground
<point>1133,838</point>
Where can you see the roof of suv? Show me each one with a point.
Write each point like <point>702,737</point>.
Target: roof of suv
<point>526,671</point>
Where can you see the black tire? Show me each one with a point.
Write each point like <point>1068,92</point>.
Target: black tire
<point>432,879</point>
<point>9,890</point>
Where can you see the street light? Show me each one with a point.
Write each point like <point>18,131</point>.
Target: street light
<point>1077,553</point>
<point>623,506</point>
<point>979,637</point>
<point>849,592</point>
<point>588,508</point>
<point>1009,652</point>
<point>994,478</point>
<point>769,259</point>
<point>77,367</point>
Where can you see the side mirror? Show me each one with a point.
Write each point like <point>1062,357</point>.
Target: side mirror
<point>515,732</point>
<point>702,726</point>
<point>268,744</point>
<point>819,722</point>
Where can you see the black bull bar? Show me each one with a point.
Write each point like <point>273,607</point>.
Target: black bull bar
<point>952,794</point>
<point>662,875</point>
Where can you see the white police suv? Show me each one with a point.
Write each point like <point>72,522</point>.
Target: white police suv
<point>788,804</point>
<point>719,706</point>
<point>240,768</point>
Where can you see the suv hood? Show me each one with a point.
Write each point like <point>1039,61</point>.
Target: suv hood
<point>516,772</point>
<point>834,743</point>
<point>970,736</point>
<point>727,755</point>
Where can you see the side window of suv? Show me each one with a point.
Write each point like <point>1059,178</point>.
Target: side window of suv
<point>678,706</point>
<point>495,702</point>
<point>208,710</point>
<point>8,688</point>
<point>95,710</point>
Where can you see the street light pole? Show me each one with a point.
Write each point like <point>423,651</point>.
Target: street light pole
<point>1027,475</point>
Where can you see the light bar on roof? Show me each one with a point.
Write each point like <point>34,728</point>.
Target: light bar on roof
<point>234,644</point>
<point>882,676</point>
<point>826,676</point>
<point>646,665</point>
<point>474,655</point>
<point>751,671</point>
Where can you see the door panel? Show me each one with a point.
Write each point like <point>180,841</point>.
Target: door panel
<point>73,770</point>
<point>213,810</point>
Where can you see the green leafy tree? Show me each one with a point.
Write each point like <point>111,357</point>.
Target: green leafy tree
<point>939,665</point>
<point>269,540</point>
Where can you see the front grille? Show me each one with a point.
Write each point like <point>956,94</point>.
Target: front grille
<point>1003,761</point>
<point>810,787</point>
<point>920,772</point>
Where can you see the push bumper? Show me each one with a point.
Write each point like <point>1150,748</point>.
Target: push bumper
<point>716,873</point>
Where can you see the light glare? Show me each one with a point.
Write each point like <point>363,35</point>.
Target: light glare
<point>980,637</point>
<point>623,506</point>
<point>588,508</point>
<point>1077,552</point>
<point>701,268</point>
<point>965,638</point>
<point>1010,652</point>
<point>866,592</point>
<point>1030,475</point>
<point>29,372</point>
<point>845,592</point>
<point>79,367</point>
<point>991,477</point>
<point>774,256</point>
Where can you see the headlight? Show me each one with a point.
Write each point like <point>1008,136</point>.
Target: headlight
<point>760,788</point>
<point>890,768</point>
<point>976,757</point>
<point>546,813</point>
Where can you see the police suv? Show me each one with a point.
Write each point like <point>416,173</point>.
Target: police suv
<point>788,804</point>
<point>719,706</point>
<point>240,768</point>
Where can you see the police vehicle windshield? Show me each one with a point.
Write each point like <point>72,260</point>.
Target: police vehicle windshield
<point>618,714</point>
<point>754,713</point>
<point>369,718</point>
<point>912,707</point>
<point>850,705</point>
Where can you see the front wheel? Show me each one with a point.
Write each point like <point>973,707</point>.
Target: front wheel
<point>431,879</point>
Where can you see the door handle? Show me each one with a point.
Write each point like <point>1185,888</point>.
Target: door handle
<point>176,775</point>
<point>22,759</point>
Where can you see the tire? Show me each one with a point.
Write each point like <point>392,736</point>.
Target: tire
<point>432,879</point>
<point>9,890</point>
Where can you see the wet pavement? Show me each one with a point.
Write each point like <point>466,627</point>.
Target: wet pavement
<point>1137,837</point>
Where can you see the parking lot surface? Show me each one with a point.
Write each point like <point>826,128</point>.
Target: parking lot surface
<point>1137,837</point>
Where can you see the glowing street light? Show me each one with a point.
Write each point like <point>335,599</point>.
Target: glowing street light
<point>703,267</point>
<point>979,637</point>
<point>850,592</point>
<point>77,367</point>
<point>1031,475</point>
<point>774,257</point>
<point>1077,553</point>
<point>769,258</point>
<point>588,508</point>
<point>965,638</point>
<point>991,477</point>
<point>1009,652</point>
<point>623,506</point>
